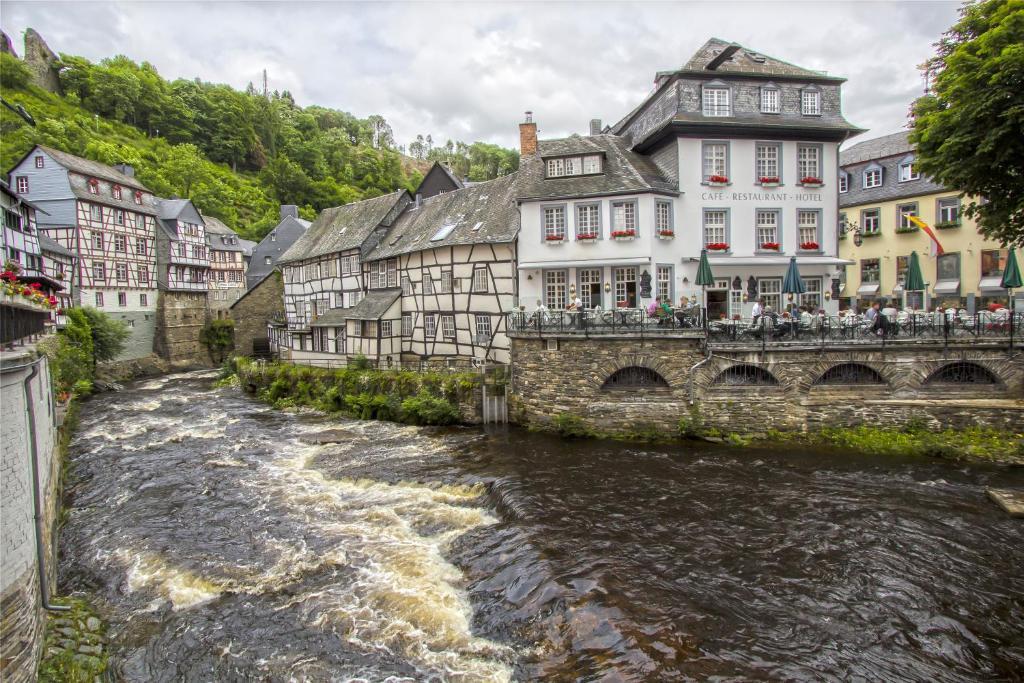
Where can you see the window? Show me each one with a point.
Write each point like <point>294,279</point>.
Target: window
<point>95,212</point>
<point>198,252</point>
<point>483,328</point>
<point>870,221</point>
<point>810,102</point>
<point>872,178</point>
<point>140,246</point>
<point>39,162</point>
<point>591,164</point>
<point>448,326</point>
<point>569,166</point>
<point>181,249</point>
<point>870,270</point>
<point>140,221</point>
<point>143,300</point>
<point>947,267</point>
<point>807,221</point>
<point>634,377</point>
<point>120,243</point>
<point>446,282</point>
<point>767,163</point>
<point>22,184</point>
<point>590,286</point>
<point>588,221</point>
<point>406,284</point>
<point>808,159</point>
<point>908,171</point>
<point>138,198</point>
<point>368,328</point>
<point>143,275</point>
<point>99,271</point>
<point>428,284</point>
<point>430,326</point>
<point>554,223</point>
<point>267,260</point>
<point>386,328</point>
<point>97,240</point>
<point>273,237</point>
<point>716,160</point>
<point>556,168</point>
<point>903,212</point>
<point>392,273</point>
<point>115,191</point>
<point>554,289</point>
<point>715,222</point>
<point>99,299</point>
<point>902,264</point>
<point>948,211</point>
<point>94,186</point>
<point>625,287</point>
<point>664,283</point>
<point>769,100</point>
<point>407,324</point>
<point>767,228</point>
<point>346,266</point>
<point>122,299</point>
<point>623,217</point>
<point>844,182</point>
<point>716,101</point>
<point>771,290</point>
<point>121,272</point>
<point>812,297</point>
<point>663,217</point>
<point>993,261</point>
<point>480,280</point>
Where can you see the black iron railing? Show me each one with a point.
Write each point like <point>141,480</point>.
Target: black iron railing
<point>606,322</point>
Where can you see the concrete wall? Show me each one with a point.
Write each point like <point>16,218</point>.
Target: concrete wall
<point>21,614</point>
<point>566,374</point>
<point>181,317</point>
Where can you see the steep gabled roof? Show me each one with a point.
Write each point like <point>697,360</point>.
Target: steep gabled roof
<point>878,148</point>
<point>623,171</point>
<point>93,169</point>
<point>372,306</point>
<point>342,227</point>
<point>439,168</point>
<point>485,213</point>
<point>47,244</point>
<point>742,60</point>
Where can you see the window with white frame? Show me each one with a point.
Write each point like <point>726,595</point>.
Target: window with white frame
<point>407,324</point>
<point>591,164</point>
<point>430,326</point>
<point>903,213</point>
<point>140,246</point>
<point>625,286</point>
<point>771,290</point>
<point>556,168</point>
<point>122,298</point>
<point>844,182</point>
<point>22,184</point>
<point>767,162</point>
<point>121,272</point>
<point>554,222</point>
<point>664,283</point>
<point>428,283</point>
<point>392,273</point>
<point>623,217</point>
<point>949,210</point>
<point>95,212</point>
<point>588,221</point>
<point>386,328</point>
<point>39,162</point>
<point>663,217</point>
<point>767,227</point>
<point>769,100</point>
<point>480,280</point>
<point>555,289</point>
<point>716,101</point>
<point>590,285</point>
<point>448,326</point>
<point>811,297</point>
<point>908,171</point>
<point>406,285</point>
<point>810,102</point>
<point>446,282</point>
<point>807,229</point>
<point>715,227</point>
<point>346,266</point>
<point>99,299</point>
<point>119,216</point>
<point>143,300</point>
<point>808,161</point>
<point>97,240</point>
<point>870,221</point>
<point>483,327</point>
<point>716,160</point>
<point>872,178</point>
<point>576,165</point>
<point>99,271</point>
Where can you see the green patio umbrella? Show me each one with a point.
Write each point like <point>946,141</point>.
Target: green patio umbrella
<point>1011,281</point>
<point>914,281</point>
<point>704,279</point>
<point>793,284</point>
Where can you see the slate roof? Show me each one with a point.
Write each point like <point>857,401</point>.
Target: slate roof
<point>887,151</point>
<point>80,188</point>
<point>285,234</point>
<point>624,171</point>
<point>373,306</point>
<point>342,227</point>
<point>885,146</point>
<point>334,317</point>
<point>490,204</point>
<point>747,61</point>
<point>53,246</point>
<point>93,169</point>
<point>216,231</point>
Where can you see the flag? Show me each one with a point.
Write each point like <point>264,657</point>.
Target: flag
<point>937,248</point>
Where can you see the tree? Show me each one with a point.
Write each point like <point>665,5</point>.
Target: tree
<point>969,130</point>
<point>108,335</point>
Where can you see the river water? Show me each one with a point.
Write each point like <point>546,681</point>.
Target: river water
<point>222,546</point>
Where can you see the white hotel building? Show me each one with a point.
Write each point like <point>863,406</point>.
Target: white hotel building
<point>736,152</point>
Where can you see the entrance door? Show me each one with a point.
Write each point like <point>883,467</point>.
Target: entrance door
<point>718,303</point>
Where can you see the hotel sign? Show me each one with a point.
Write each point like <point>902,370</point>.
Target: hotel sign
<point>760,196</point>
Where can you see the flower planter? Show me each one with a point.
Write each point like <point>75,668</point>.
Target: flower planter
<point>666,235</point>
<point>811,182</point>
<point>904,231</point>
<point>947,225</point>
<point>810,246</point>
<point>624,235</point>
<point>769,181</point>
<point>770,246</point>
<point>586,238</point>
<point>553,243</point>
<point>717,246</point>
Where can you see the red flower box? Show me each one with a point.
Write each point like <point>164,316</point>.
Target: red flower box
<point>809,246</point>
<point>717,246</point>
<point>718,179</point>
<point>770,179</point>
<point>667,233</point>
<point>554,238</point>
<point>770,246</point>
<point>624,233</point>
<point>810,180</point>
<point>587,236</point>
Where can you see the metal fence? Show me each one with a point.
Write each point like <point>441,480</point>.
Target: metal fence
<point>447,365</point>
<point>611,321</point>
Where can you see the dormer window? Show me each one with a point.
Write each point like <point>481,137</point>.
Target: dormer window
<point>770,99</point>
<point>872,176</point>
<point>94,186</point>
<point>844,181</point>
<point>810,102</point>
<point>115,191</point>
<point>715,99</point>
<point>273,237</point>
<point>138,197</point>
<point>908,169</point>
<point>571,166</point>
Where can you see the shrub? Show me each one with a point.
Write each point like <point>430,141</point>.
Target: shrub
<point>69,364</point>
<point>571,426</point>
<point>219,338</point>
<point>360,362</point>
<point>425,409</point>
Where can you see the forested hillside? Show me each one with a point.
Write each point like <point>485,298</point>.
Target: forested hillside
<point>237,155</point>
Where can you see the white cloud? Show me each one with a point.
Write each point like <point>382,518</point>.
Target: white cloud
<point>469,70</point>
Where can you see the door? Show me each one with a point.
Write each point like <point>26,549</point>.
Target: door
<point>718,303</point>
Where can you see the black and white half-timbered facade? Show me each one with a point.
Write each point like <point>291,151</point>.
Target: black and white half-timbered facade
<point>107,218</point>
<point>183,264</point>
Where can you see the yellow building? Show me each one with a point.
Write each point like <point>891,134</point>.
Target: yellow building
<point>879,186</point>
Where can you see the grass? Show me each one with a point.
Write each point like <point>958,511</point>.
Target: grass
<point>973,443</point>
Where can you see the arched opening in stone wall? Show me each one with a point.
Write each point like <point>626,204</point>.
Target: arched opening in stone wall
<point>849,373</point>
<point>962,372</point>
<point>746,375</point>
<point>634,377</point>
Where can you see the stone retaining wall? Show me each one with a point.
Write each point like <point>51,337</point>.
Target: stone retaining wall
<point>180,319</point>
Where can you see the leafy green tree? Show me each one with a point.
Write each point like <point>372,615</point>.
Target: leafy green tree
<point>13,72</point>
<point>109,336</point>
<point>969,130</point>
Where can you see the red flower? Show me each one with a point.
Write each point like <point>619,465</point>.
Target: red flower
<point>771,246</point>
<point>8,275</point>
<point>810,180</point>
<point>718,179</point>
<point>624,233</point>
<point>717,246</point>
<point>586,236</point>
<point>809,246</point>
<point>770,179</point>
<point>554,238</point>
<point>34,285</point>
<point>667,233</point>
<point>52,300</point>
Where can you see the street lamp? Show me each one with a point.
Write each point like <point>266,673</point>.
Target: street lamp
<point>848,226</point>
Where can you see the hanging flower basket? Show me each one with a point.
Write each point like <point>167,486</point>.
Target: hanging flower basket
<point>769,181</point>
<point>770,246</point>
<point>717,246</point>
<point>586,237</point>
<point>666,234</point>
<point>809,246</point>
<point>624,235</point>
<point>718,180</point>
<point>811,181</point>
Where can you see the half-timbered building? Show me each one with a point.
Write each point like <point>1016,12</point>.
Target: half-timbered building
<point>24,246</point>
<point>59,265</point>
<point>227,253</point>
<point>183,263</point>
<point>107,218</point>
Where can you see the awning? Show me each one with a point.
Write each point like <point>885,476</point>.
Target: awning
<point>992,283</point>
<point>772,260</point>
<point>867,289</point>
<point>947,287</point>
<point>587,263</point>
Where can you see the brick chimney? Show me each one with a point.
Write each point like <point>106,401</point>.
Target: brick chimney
<point>289,210</point>
<point>528,136</point>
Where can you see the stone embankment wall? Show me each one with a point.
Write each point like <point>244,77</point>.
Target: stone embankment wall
<point>567,375</point>
<point>22,618</point>
<point>180,319</point>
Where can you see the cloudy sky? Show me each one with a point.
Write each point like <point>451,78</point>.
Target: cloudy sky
<point>468,70</point>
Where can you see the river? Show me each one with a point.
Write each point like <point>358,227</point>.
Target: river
<point>221,545</point>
